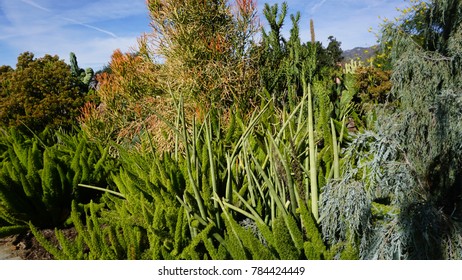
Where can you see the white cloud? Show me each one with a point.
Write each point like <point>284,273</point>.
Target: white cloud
<point>317,6</point>
<point>91,27</point>
<point>33,4</point>
<point>62,26</point>
<point>69,19</point>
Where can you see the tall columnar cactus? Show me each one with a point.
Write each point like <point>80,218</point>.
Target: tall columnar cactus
<point>86,76</point>
<point>75,69</point>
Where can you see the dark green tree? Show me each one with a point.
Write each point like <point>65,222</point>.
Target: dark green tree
<point>5,73</point>
<point>39,93</point>
<point>331,55</point>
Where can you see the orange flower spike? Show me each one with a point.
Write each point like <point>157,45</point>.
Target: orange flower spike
<point>246,6</point>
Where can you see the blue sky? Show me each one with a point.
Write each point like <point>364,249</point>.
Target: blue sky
<point>93,29</point>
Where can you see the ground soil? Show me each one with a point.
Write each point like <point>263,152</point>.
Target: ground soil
<point>25,247</point>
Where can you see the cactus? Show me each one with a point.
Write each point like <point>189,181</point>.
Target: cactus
<point>75,69</point>
<point>85,76</point>
<point>352,66</point>
<point>89,74</point>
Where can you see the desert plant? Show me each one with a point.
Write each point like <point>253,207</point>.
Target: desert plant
<point>238,194</point>
<point>208,50</point>
<point>85,76</point>
<point>123,100</point>
<point>281,59</point>
<point>237,185</point>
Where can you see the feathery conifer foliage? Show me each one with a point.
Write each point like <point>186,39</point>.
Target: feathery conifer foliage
<point>407,175</point>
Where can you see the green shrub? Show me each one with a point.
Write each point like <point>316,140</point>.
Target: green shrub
<point>40,93</point>
<point>244,188</point>
<point>239,195</point>
<point>38,182</point>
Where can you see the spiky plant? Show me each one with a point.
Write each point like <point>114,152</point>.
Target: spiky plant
<point>38,182</point>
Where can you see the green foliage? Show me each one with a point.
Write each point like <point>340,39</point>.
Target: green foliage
<point>332,54</point>
<point>95,240</point>
<point>239,186</point>
<point>216,197</point>
<point>38,182</point>
<point>432,127</point>
<point>214,67</point>
<point>314,247</point>
<point>282,61</point>
<point>373,86</point>
<point>272,72</point>
<point>234,183</point>
<point>40,93</point>
<point>406,176</point>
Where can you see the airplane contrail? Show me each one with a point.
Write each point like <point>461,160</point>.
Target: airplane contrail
<point>90,26</point>
<point>33,4</point>
<point>317,6</point>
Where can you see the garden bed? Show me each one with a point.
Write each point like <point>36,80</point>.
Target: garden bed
<point>26,247</point>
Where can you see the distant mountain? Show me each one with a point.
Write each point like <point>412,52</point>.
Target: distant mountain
<point>359,52</point>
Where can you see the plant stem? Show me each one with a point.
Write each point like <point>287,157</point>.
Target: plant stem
<point>336,166</point>
<point>313,173</point>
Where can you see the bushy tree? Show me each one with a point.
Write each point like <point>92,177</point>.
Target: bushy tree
<point>207,49</point>
<point>373,85</point>
<point>39,93</point>
<point>332,54</point>
<point>407,175</point>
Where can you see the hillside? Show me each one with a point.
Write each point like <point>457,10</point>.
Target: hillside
<point>359,52</point>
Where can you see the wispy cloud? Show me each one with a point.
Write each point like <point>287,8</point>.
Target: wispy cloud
<point>92,29</point>
<point>317,6</point>
<point>34,4</point>
<point>90,26</point>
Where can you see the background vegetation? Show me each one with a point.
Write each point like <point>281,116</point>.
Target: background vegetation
<point>208,143</point>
